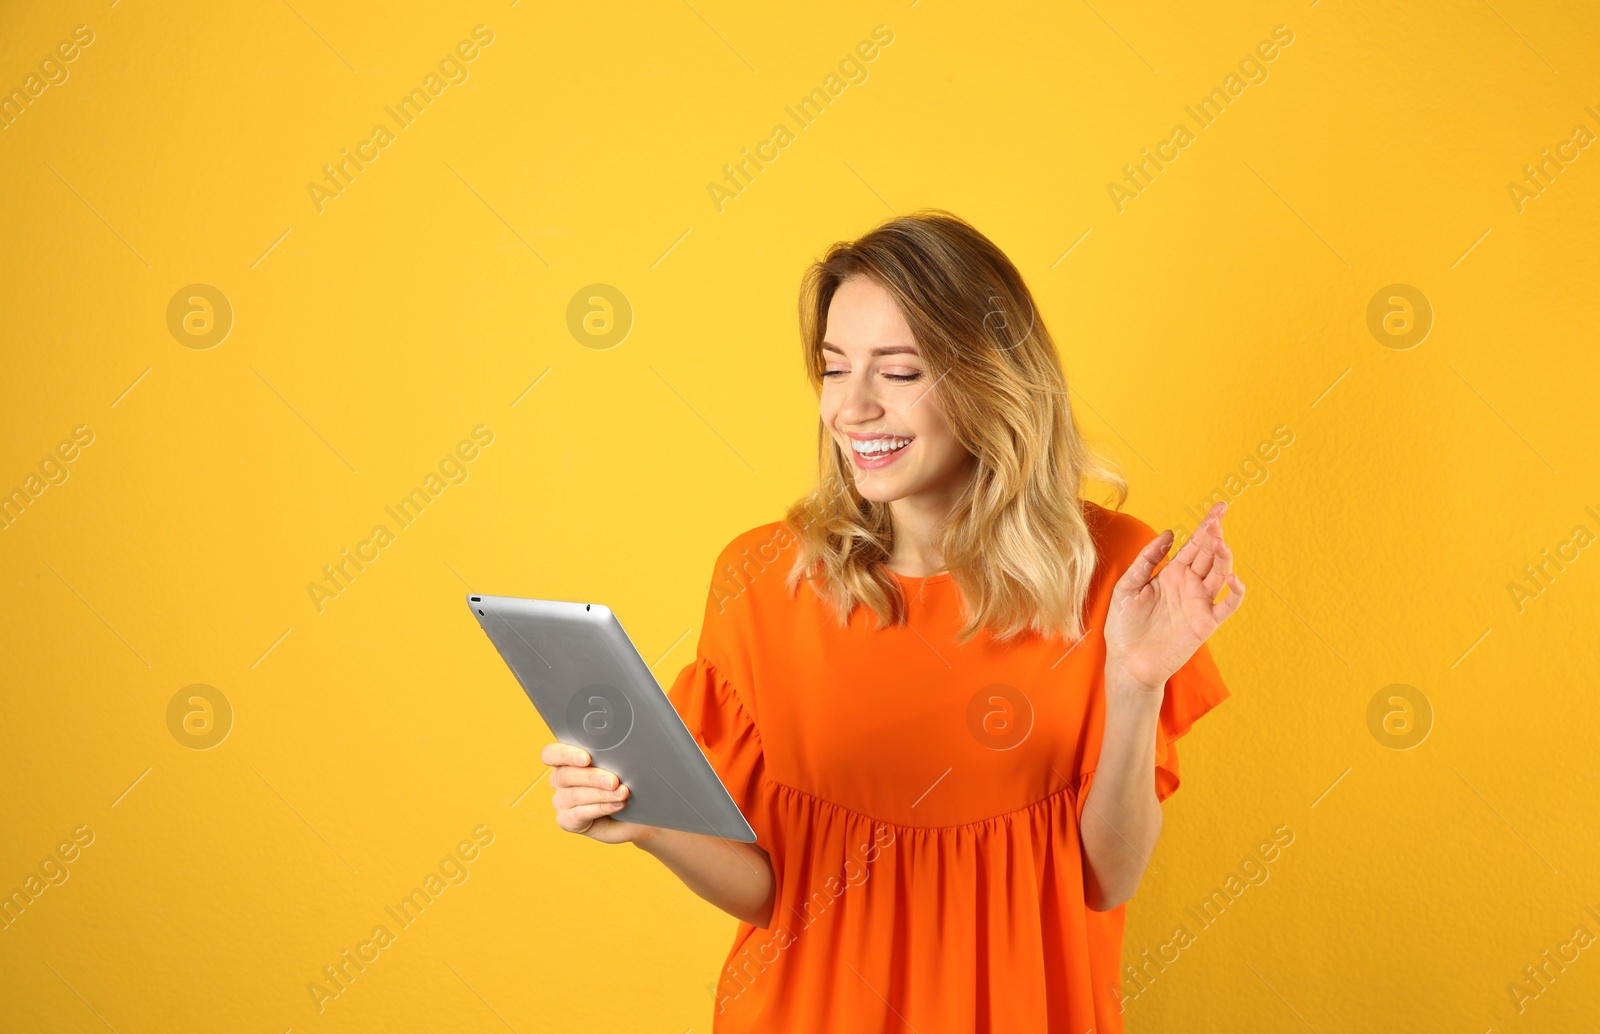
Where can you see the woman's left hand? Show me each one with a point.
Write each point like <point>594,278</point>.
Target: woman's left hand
<point>1156,624</point>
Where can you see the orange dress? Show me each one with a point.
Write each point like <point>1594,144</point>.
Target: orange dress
<point>920,801</point>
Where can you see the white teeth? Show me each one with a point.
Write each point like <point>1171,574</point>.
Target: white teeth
<point>879,446</point>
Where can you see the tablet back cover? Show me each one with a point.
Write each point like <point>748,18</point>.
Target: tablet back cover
<point>588,682</point>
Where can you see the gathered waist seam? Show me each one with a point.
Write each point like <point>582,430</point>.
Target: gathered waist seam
<point>1068,790</point>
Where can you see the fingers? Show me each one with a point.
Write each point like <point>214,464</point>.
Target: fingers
<point>1191,547</point>
<point>1221,563</point>
<point>1225,609</point>
<point>1209,559</point>
<point>563,754</point>
<point>575,797</point>
<point>1195,558</point>
<point>1199,553</point>
<point>580,819</point>
<point>572,766</point>
<point>583,794</point>
<point>570,775</point>
<point>1206,559</point>
<point>1205,554</point>
<point>1138,573</point>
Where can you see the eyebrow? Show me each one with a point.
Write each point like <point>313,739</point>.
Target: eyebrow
<point>889,350</point>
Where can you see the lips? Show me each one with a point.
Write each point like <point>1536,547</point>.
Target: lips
<point>878,452</point>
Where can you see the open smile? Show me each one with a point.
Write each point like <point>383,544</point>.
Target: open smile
<point>877,453</point>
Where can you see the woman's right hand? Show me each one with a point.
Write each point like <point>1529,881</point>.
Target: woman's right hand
<point>736,877</point>
<point>586,797</point>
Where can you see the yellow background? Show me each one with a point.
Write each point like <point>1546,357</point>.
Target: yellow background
<point>371,737</point>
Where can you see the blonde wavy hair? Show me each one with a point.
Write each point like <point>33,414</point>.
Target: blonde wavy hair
<point>1016,541</point>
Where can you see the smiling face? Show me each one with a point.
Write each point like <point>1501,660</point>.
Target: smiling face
<point>876,395</point>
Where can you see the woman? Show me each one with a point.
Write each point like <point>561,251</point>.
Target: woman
<point>944,690</point>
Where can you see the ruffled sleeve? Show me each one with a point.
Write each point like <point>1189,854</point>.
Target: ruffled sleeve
<point>717,715</point>
<point>1192,690</point>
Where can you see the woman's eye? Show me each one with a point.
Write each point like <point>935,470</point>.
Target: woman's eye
<point>902,378</point>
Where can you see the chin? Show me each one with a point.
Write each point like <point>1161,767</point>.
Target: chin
<point>881,493</point>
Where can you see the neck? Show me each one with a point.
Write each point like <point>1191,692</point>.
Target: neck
<point>919,523</point>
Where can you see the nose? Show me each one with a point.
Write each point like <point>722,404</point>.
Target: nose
<point>860,403</point>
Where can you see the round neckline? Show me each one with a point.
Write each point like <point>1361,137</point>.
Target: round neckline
<point>942,576</point>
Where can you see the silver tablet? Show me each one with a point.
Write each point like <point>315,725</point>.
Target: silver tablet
<point>593,689</point>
